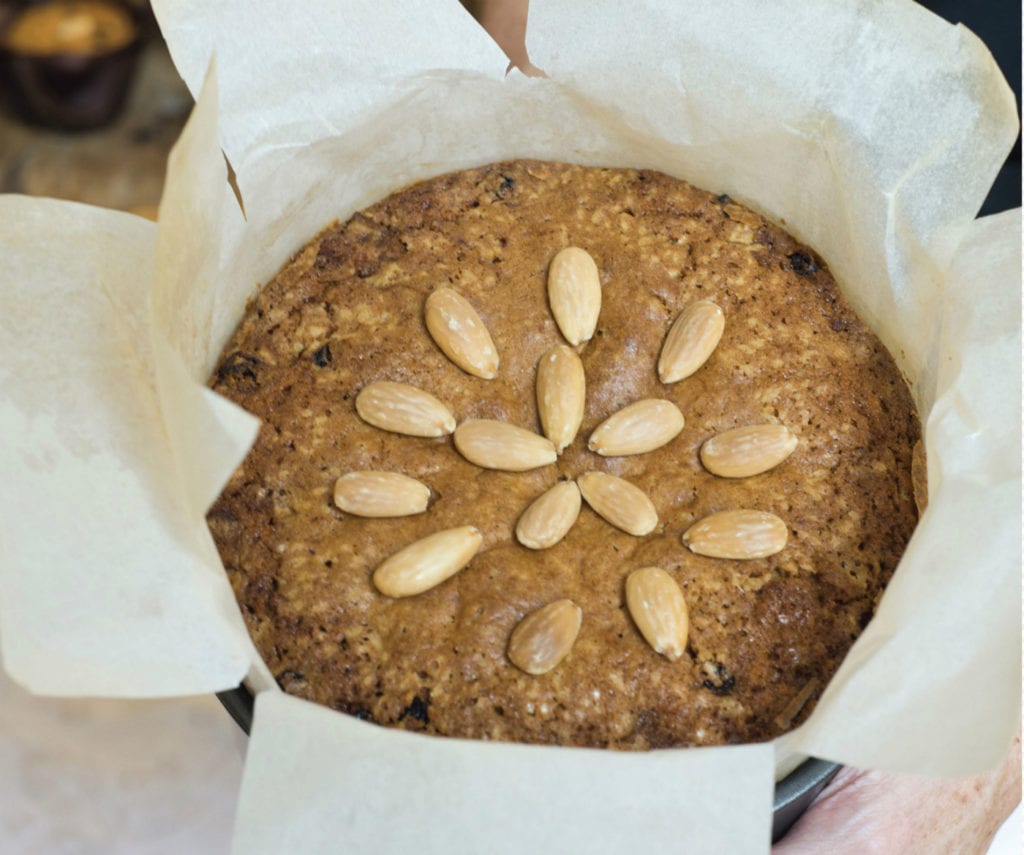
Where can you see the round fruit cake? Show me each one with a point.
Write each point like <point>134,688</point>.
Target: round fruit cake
<point>566,455</point>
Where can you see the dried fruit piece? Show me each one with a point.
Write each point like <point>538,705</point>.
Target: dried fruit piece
<point>574,292</point>
<point>719,680</point>
<point>738,534</point>
<point>380,494</point>
<point>544,638</point>
<point>658,608</point>
<point>802,263</point>
<point>561,391</point>
<point>690,341</point>
<point>550,516</point>
<point>641,427</point>
<point>499,445</point>
<point>620,503</point>
<point>240,371</point>
<point>748,450</point>
<point>457,329</point>
<point>427,562</point>
<point>401,408</point>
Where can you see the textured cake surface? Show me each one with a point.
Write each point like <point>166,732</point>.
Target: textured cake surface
<point>348,310</point>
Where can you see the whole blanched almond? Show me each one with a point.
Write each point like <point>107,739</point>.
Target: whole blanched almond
<point>749,450</point>
<point>401,408</point>
<point>641,427</point>
<point>380,494</point>
<point>620,503</point>
<point>549,517</point>
<point>740,534</point>
<point>561,392</point>
<point>428,562</point>
<point>691,340</point>
<point>457,329</point>
<point>574,292</point>
<point>499,445</point>
<point>544,638</point>
<point>658,608</point>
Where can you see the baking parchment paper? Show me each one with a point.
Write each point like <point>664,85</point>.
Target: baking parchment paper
<point>871,129</point>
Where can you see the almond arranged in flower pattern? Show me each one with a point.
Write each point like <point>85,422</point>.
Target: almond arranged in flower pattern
<point>401,408</point>
<point>574,292</point>
<point>428,562</point>
<point>499,445</point>
<point>549,517</point>
<point>380,494</point>
<point>657,604</point>
<point>457,329</point>
<point>749,450</point>
<point>620,503</point>
<point>561,392</point>
<point>658,608</point>
<point>740,534</point>
<point>691,340</point>
<point>641,427</point>
<point>544,638</point>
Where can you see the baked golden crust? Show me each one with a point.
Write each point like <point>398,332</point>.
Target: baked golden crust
<point>348,310</point>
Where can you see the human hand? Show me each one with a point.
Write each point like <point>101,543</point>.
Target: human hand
<point>866,812</point>
<point>505,22</point>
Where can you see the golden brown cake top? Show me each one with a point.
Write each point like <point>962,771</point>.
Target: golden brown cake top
<point>765,634</point>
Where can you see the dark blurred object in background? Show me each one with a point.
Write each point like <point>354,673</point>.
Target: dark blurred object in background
<point>120,164</point>
<point>998,24</point>
<point>68,64</point>
<point>87,92</point>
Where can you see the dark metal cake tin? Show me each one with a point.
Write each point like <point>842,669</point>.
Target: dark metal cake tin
<point>793,794</point>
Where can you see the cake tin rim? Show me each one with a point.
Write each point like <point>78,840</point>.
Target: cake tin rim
<point>792,795</point>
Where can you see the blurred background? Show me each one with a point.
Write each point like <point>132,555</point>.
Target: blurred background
<point>998,24</point>
<point>90,103</point>
<point>90,106</point>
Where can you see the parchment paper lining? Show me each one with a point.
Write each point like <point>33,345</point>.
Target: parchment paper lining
<point>872,130</point>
